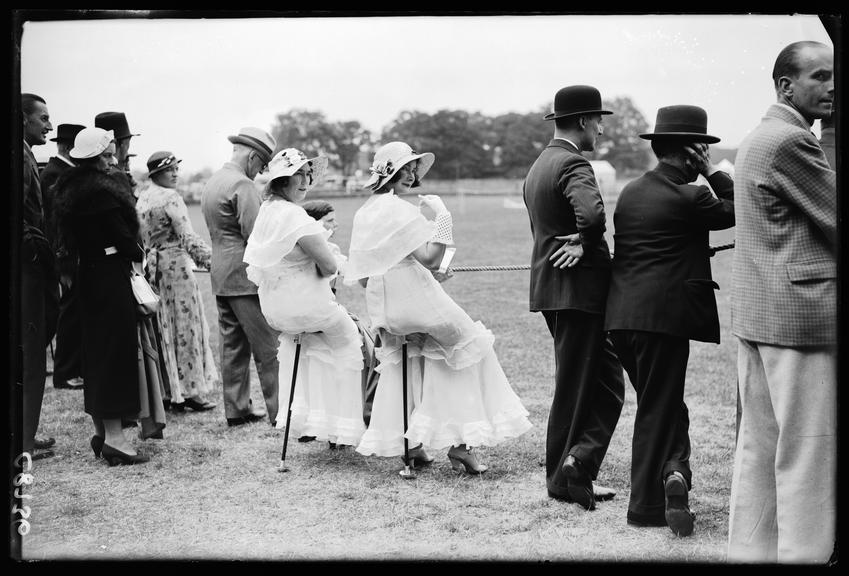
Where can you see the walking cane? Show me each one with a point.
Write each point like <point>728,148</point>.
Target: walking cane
<point>406,473</point>
<point>283,467</point>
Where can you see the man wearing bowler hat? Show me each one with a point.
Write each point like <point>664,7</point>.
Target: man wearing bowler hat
<point>117,122</point>
<point>67,361</point>
<point>230,203</point>
<point>661,297</point>
<point>570,273</point>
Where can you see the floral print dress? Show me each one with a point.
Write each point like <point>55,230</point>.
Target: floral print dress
<point>173,249</point>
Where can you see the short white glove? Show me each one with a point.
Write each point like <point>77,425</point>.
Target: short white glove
<point>444,229</point>
<point>434,202</point>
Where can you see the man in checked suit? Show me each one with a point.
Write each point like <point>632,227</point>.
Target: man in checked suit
<point>661,297</point>
<point>784,312</point>
<point>569,282</point>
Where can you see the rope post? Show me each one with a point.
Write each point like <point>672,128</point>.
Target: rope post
<point>406,473</point>
<point>282,467</point>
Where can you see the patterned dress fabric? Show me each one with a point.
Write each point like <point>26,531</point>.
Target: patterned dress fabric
<point>173,250</point>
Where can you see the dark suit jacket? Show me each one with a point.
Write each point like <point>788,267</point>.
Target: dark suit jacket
<point>562,197</point>
<point>661,278</point>
<point>55,167</point>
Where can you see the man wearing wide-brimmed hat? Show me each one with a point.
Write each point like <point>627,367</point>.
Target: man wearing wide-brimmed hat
<point>67,359</point>
<point>569,282</point>
<point>230,205</point>
<point>117,122</point>
<point>661,297</point>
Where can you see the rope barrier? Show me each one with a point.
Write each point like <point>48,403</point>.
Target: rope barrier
<point>713,250</point>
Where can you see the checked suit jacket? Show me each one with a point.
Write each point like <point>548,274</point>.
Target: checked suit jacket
<point>562,197</point>
<point>784,281</point>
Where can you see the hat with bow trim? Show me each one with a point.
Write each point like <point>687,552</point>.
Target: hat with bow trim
<point>682,122</point>
<point>91,142</point>
<point>288,161</point>
<point>160,161</point>
<point>259,140</point>
<point>390,157</point>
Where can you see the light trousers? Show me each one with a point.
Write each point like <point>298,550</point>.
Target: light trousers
<point>783,493</point>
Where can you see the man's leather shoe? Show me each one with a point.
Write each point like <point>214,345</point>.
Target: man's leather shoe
<point>42,455</point>
<point>679,518</point>
<point>44,443</point>
<point>72,384</point>
<point>601,493</point>
<point>246,419</point>
<point>578,483</point>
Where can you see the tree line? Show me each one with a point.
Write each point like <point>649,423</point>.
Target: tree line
<point>467,144</point>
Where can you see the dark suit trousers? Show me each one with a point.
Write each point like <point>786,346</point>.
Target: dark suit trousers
<point>68,358</point>
<point>589,390</point>
<point>244,331</point>
<point>656,365</point>
<point>33,343</point>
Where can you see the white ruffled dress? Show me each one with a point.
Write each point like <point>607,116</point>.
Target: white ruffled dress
<point>457,390</point>
<point>295,299</point>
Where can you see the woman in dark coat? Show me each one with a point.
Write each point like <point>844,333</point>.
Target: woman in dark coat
<point>98,224</point>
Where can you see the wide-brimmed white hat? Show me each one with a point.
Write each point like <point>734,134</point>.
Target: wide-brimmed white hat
<point>390,157</point>
<point>288,161</point>
<point>91,142</point>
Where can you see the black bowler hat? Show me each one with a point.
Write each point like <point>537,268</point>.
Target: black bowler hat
<point>115,121</point>
<point>573,100</point>
<point>67,132</point>
<point>681,122</point>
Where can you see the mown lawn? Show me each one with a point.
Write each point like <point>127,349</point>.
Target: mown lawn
<point>214,492</point>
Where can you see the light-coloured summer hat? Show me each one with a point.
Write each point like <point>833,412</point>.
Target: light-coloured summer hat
<point>390,157</point>
<point>91,142</point>
<point>288,161</point>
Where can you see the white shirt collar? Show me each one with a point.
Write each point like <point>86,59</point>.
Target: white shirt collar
<point>569,141</point>
<point>66,161</point>
<point>795,113</point>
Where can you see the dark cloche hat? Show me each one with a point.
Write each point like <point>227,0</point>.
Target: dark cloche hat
<point>681,122</point>
<point>115,121</point>
<point>573,100</point>
<point>67,133</point>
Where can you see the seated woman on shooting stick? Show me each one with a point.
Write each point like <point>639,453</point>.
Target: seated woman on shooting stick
<point>289,259</point>
<point>460,395</point>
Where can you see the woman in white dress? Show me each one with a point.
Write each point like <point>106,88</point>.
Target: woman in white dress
<point>459,394</point>
<point>289,260</point>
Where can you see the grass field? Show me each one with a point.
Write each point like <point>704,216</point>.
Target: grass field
<point>213,492</point>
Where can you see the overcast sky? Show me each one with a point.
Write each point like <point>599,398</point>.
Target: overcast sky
<point>187,84</point>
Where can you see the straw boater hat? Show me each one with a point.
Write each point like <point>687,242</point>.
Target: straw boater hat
<point>67,133</point>
<point>91,142</point>
<point>259,140</point>
<point>574,100</point>
<point>681,122</point>
<point>390,157</point>
<point>160,161</point>
<point>288,161</point>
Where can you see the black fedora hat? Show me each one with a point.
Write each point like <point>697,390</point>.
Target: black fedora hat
<point>573,100</point>
<point>67,132</point>
<point>115,121</point>
<point>681,122</point>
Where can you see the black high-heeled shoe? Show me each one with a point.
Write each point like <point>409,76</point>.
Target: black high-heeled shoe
<point>197,405</point>
<point>97,445</point>
<point>418,457</point>
<point>116,457</point>
<point>462,459</point>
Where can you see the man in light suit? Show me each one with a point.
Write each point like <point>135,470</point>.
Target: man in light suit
<point>661,297</point>
<point>569,283</point>
<point>784,312</point>
<point>230,205</point>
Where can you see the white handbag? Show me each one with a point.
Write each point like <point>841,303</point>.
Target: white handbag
<point>146,298</point>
